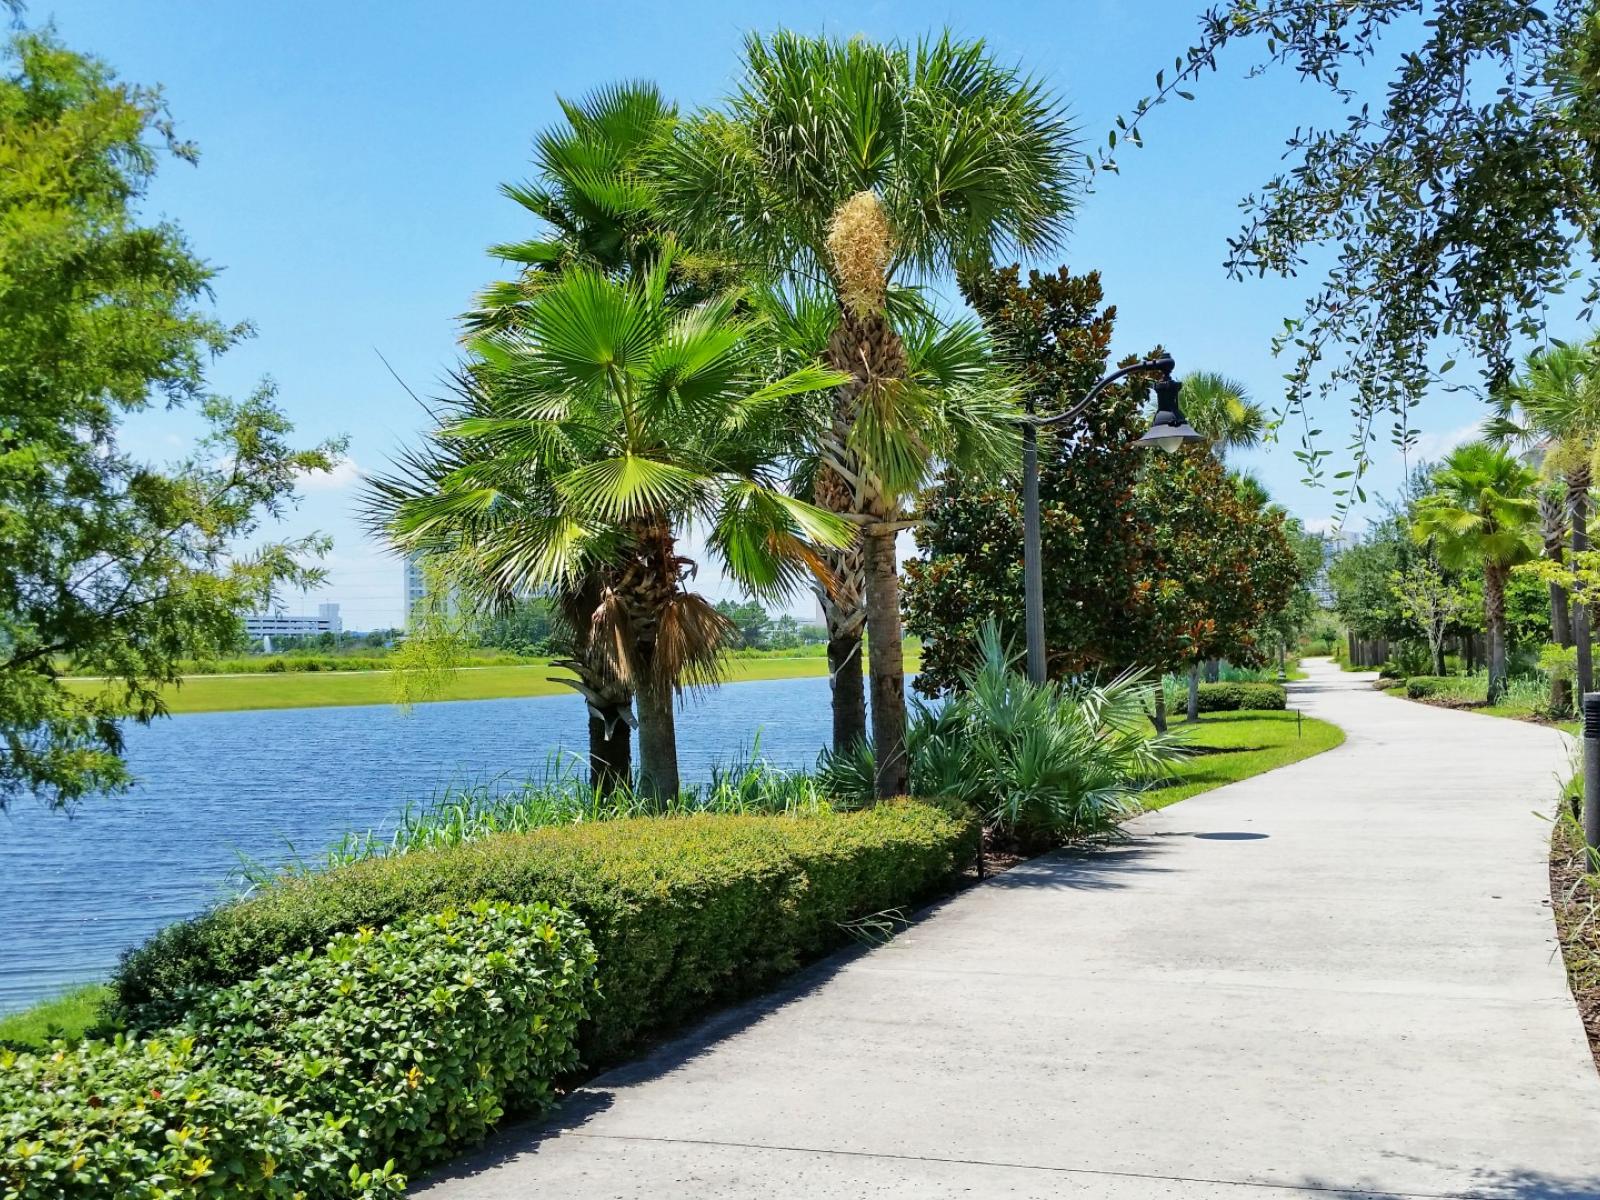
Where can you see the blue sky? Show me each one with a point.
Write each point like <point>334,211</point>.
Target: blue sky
<point>351,155</point>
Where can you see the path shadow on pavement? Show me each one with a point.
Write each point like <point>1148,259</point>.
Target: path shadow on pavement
<point>1091,869</point>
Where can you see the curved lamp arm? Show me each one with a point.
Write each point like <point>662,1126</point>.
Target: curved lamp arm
<point>1164,364</point>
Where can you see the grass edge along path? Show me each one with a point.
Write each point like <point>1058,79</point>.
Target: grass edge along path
<point>1238,745</point>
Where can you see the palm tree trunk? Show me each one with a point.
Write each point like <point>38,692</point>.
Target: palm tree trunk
<point>1194,692</point>
<point>1213,670</point>
<point>1578,515</point>
<point>1494,605</point>
<point>886,665</point>
<point>610,750</point>
<point>848,683</point>
<point>866,346</point>
<point>844,614</point>
<point>658,746</point>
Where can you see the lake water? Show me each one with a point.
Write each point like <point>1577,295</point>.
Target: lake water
<point>212,786</point>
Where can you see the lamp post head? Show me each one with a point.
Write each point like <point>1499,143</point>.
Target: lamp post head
<point>1168,428</point>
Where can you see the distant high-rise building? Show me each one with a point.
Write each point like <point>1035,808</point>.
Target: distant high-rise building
<point>416,586</point>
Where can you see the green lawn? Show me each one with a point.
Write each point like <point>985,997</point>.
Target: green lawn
<point>1244,744</point>
<point>68,1015</point>
<point>318,689</point>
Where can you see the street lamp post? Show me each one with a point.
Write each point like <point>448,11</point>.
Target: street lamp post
<point>1168,431</point>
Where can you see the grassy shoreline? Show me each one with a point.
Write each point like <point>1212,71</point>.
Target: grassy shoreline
<point>349,689</point>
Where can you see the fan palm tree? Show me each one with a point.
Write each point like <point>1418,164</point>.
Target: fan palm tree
<point>1482,512</point>
<point>856,165</point>
<point>1220,409</point>
<point>610,418</point>
<point>1554,406</point>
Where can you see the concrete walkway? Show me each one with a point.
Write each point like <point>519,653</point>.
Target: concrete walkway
<point>1339,978</point>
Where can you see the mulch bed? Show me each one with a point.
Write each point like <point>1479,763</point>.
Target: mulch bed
<point>1577,910</point>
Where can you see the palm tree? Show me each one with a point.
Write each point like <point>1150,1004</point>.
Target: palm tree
<point>855,165</point>
<point>1557,397</point>
<point>612,417</point>
<point>1220,408</point>
<point>1482,512</point>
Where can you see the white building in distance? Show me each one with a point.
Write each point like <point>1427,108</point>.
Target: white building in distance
<point>265,626</point>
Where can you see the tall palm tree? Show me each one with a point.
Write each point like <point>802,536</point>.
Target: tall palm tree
<point>857,165</point>
<point>612,418</point>
<point>1483,512</point>
<point>1221,410</point>
<point>1554,405</point>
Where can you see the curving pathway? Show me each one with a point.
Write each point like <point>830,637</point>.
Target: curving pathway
<point>1339,978</point>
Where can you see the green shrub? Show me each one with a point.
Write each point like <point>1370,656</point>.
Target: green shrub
<point>397,1046</point>
<point>685,912</point>
<point>1233,697</point>
<point>1460,689</point>
<point>160,1118</point>
<point>422,1035</point>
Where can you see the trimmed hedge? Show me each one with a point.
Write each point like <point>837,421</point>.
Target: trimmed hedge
<point>1233,697</point>
<point>685,912</point>
<point>395,1047</point>
<point>420,1036</point>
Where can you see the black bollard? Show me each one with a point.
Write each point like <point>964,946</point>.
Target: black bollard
<point>1591,769</point>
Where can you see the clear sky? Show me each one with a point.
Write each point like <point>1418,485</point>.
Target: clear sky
<point>350,157</point>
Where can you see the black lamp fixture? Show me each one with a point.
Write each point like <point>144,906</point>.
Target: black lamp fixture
<point>1168,430</point>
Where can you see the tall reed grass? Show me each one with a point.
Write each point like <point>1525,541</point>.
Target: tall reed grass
<point>560,795</point>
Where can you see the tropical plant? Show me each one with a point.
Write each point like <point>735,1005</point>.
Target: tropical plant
<point>608,418</point>
<point>1553,405</point>
<point>1220,409</point>
<point>1482,513</point>
<point>854,164</point>
<point>1052,761</point>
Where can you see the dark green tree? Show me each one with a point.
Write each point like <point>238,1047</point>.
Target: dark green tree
<point>111,566</point>
<point>1054,334</point>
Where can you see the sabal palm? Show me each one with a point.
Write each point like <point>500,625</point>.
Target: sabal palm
<point>1483,513</point>
<point>951,397</point>
<point>612,419</point>
<point>1221,410</point>
<point>856,165</point>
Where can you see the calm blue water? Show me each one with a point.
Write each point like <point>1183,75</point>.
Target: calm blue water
<point>78,891</point>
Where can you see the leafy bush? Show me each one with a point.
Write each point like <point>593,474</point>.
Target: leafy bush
<point>1457,689</point>
<point>1053,760</point>
<point>160,1117</point>
<point>395,1046</point>
<point>1235,697</point>
<point>421,1035</point>
<point>685,912</point>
